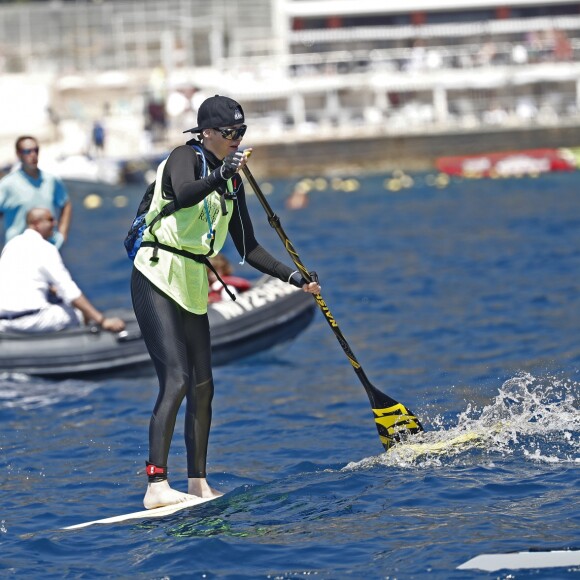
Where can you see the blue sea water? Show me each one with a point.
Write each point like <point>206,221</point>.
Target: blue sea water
<point>460,300</point>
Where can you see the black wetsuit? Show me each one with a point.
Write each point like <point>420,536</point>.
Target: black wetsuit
<point>178,340</point>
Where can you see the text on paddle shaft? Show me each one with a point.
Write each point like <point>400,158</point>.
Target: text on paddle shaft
<point>325,309</point>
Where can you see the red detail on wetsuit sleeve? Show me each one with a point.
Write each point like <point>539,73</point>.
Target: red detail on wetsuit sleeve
<point>154,470</point>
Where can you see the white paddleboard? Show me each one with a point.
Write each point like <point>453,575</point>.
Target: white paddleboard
<point>145,514</point>
<point>520,560</point>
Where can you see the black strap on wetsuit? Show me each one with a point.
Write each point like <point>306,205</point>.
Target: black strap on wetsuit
<point>195,257</point>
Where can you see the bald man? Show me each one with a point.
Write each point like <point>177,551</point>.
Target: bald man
<point>31,268</point>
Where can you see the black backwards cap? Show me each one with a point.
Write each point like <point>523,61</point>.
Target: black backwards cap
<point>218,111</point>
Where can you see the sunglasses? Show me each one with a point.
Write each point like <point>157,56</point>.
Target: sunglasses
<point>29,151</point>
<point>232,134</point>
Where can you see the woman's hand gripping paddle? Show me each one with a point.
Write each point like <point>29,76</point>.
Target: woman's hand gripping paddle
<point>393,420</point>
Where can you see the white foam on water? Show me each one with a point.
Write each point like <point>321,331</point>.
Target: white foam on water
<point>19,391</point>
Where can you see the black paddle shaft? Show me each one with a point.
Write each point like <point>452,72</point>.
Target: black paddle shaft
<point>379,401</point>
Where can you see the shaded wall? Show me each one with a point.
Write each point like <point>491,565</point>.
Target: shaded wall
<point>413,153</point>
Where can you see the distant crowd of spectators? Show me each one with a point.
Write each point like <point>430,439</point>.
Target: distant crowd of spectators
<point>534,47</point>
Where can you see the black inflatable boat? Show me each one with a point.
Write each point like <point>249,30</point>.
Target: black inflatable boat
<point>268,314</point>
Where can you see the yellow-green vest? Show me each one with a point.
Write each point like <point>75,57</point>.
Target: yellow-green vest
<point>181,278</point>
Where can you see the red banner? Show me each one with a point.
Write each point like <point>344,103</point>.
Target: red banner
<point>508,163</point>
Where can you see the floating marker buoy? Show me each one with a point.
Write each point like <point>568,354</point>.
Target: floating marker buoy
<point>336,183</point>
<point>320,184</point>
<point>350,185</point>
<point>120,201</point>
<point>93,201</point>
<point>267,188</point>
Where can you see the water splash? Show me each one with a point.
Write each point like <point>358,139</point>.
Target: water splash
<point>537,418</point>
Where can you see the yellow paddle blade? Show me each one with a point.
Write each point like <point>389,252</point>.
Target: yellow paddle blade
<point>393,420</point>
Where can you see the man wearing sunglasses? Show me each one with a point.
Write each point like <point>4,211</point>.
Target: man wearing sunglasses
<point>28,187</point>
<point>170,289</point>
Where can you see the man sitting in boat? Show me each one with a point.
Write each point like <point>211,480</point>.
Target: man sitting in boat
<point>30,269</point>
<point>235,284</point>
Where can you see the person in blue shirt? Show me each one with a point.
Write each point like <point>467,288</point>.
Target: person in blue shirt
<point>28,187</point>
<point>98,138</point>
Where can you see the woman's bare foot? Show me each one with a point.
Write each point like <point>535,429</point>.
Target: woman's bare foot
<point>159,494</point>
<point>199,486</point>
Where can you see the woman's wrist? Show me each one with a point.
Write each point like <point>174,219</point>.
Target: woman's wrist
<point>296,279</point>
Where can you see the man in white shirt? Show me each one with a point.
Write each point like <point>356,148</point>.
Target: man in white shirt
<point>30,269</point>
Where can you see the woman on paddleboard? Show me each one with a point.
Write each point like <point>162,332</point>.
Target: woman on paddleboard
<point>169,285</point>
